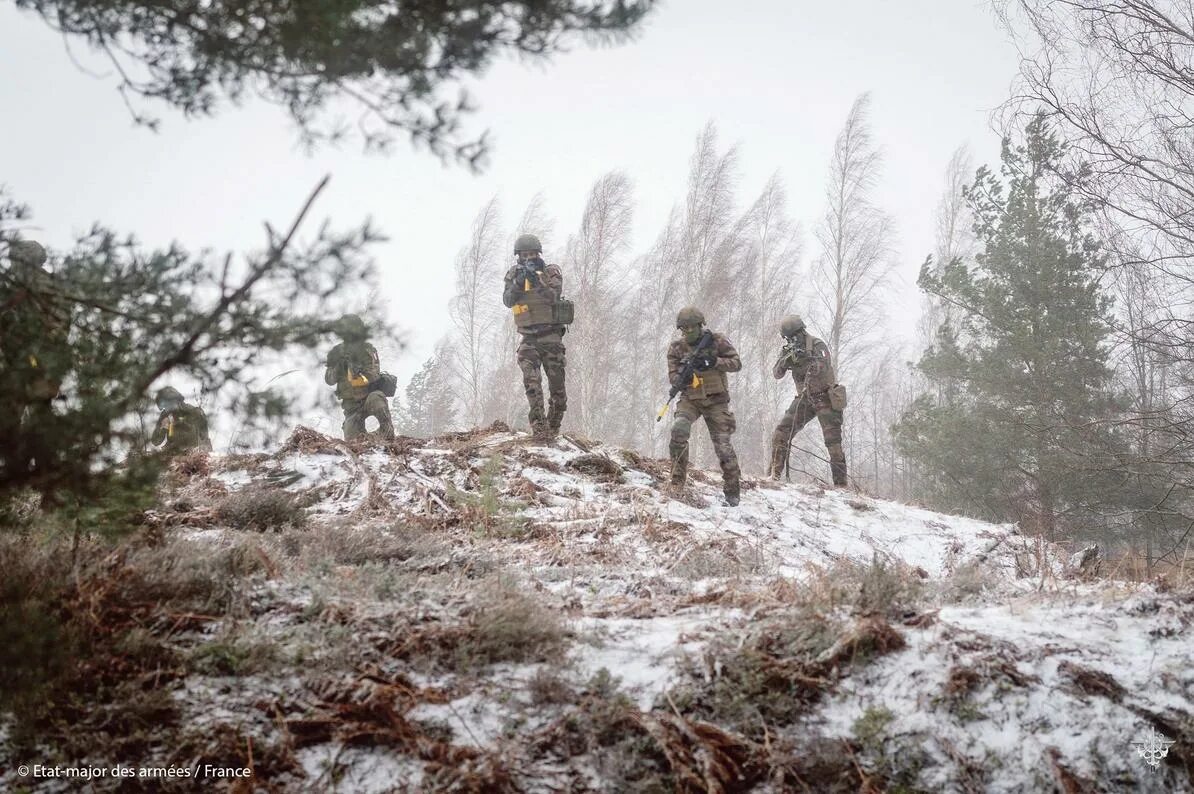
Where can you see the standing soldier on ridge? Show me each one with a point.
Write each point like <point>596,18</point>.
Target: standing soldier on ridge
<point>355,370</point>
<point>534,291</point>
<point>701,360</point>
<point>817,394</point>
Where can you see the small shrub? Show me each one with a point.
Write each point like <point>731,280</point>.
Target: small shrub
<point>549,687</point>
<point>869,727</point>
<point>233,656</point>
<point>260,509</point>
<point>510,628</point>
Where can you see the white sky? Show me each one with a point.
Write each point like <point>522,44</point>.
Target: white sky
<point>777,77</point>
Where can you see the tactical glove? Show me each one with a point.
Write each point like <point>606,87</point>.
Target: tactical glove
<point>705,361</point>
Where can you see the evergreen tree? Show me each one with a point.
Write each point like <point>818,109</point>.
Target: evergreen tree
<point>393,60</point>
<point>1024,438</point>
<point>82,350</point>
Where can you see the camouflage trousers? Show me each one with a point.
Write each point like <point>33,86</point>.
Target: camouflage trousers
<point>720,422</point>
<point>546,351</point>
<point>357,411</point>
<point>800,413</point>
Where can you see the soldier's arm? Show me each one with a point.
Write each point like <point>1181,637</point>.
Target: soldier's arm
<point>510,293</point>
<point>159,432</point>
<point>727,356</point>
<point>781,366</point>
<point>373,368</point>
<point>673,363</point>
<point>334,366</point>
<point>553,279</point>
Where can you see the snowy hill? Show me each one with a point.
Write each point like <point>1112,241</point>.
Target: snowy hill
<point>481,613</point>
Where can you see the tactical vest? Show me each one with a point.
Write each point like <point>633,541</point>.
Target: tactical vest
<point>710,382</point>
<point>365,367</point>
<point>815,383</point>
<point>186,428</point>
<point>533,308</point>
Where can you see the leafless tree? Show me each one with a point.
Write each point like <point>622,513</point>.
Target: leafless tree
<point>596,271</point>
<point>856,239</point>
<point>474,310</point>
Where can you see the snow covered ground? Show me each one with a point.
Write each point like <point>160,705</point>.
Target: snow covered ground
<point>1001,671</point>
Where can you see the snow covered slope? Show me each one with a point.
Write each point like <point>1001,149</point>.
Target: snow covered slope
<point>481,613</point>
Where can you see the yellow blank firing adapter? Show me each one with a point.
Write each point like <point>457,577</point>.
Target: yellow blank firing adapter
<point>356,379</point>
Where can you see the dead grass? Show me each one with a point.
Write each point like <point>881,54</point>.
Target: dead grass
<point>778,668</point>
<point>260,510</point>
<point>881,588</point>
<point>722,559</point>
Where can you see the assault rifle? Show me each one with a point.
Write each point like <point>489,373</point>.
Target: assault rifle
<point>794,351</point>
<point>687,371</point>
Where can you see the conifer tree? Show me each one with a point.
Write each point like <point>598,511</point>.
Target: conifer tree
<point>1024,437</point>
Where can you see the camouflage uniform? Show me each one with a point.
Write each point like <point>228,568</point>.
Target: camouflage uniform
<point>542,343</point>
<point>710,399</point>
<point>354,359</point>
<point>34,352</point>
<point>813,374</point>
<point>35,327</point>
<point>183,427</point>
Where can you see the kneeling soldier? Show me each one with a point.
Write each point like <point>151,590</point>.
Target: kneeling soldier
<point>355,370</point>
<point>817,394</point>
<point>182,426</point>
<point>707,394</point>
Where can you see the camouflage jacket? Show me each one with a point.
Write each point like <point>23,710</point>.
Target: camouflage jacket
<point>534,299</point>
<point>34,333</point>
<point>710,382</point>
<point>349,361</point>
<point>182,428</point>
<point>812,372</point>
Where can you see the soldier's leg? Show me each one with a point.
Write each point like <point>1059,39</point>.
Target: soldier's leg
<point>799,413</point>
<point>553,366</point>
<point>529,361</point>
<point>831,429</point>
<point>354,419</point>
<point>721,423</point>
<point>686,414</point>
<point>377,406</point>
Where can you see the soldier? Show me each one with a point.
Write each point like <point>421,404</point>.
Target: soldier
<point>36,325</point>
<point>355,370</point>
<point>817,394</point>
<point>34,354</point>
<point>706,394</point>
<point>533,290</point>
<point>181,426</point>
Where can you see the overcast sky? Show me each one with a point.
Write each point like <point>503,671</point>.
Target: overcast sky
<point>777,78</point>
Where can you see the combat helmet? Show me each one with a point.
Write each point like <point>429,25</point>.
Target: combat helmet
<point>168,397</point>
<point>351,327</point>
<point>527,242</point>
<point>28,253</point>
<point>689,315</point>
<point>791,325</point>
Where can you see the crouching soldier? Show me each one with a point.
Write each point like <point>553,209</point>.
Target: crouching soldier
<point>701,359</point>
<point>181,427</point>
<point>534,291</point>
<point>355,370</point>
<point>817,394</point>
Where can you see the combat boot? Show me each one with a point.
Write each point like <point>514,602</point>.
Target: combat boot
<point>731,495</point>
<point>540,430</point>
